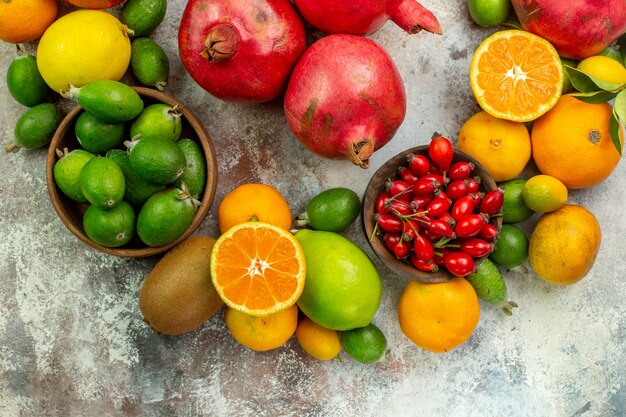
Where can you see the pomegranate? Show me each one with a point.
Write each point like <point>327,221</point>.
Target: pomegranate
<point>576,28</point>
<point>362,17</point>
<point>345,98</point>
<point>94,4</point>
<point>241,50</point>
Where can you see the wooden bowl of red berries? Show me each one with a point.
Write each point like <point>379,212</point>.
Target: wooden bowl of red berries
<point>432,212</point>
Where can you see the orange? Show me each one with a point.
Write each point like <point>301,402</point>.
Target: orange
<point>318,341</point>
<point>438,317</point>
<point>258,268</point>
<point>564,244</point>
<point>250,202</point>
<point>501,146</point>
<point>573,143</point>
<point>262,333</point>
<point>516,75</point>
<point>26,20</point>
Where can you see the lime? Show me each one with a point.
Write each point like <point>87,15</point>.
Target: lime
<point>102,182</point>
<point>97,136</point>
<point>489,284</point>
<point>36,126</point>
<point>489,13</point>
<point>365,344</point>
<point>110,227</point>
<point>67,170</point>
<point>318,341</point>
<point>567,82</point>
<point>332,210</point>
<point>137,190</point>
<point>158,120</point>
<point>157,159</point>
<point>511,247</point>
<point>514,209</point>
<point>25,82</point>
<point>149,63</point>
<point>544,193</point>
<point>143,16</point>
<point>194,176</point>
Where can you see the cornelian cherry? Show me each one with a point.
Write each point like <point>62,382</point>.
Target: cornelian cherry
<point>418,164</point>
<point>458,263</point>
<point>440,151</point>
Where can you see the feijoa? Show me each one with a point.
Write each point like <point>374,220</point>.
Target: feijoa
<point>158,120</point>
<point>194,176</point>
<point>489,284</point>
<point>332,210</point>
<point>143,16</point>
<point>149,63</point>
<point>137,190</point>
<point>102,182</point>
<point>36,127</point>
<point>108,100</point>
<point>97,136</point>
<point>165,216</point>
<point>25,83</point>
<point>110,227</point>
<point>157,160</point>
<point>67,171</point>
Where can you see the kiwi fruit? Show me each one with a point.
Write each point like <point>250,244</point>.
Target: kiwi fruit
<point>177,296</point>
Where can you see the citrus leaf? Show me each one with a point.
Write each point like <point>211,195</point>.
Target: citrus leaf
<point>594,97</point>
<point>615,128</point>
<point>619,107</point>
<point>586,83</point>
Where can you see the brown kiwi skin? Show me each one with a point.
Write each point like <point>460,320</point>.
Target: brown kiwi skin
<point>177,296</point>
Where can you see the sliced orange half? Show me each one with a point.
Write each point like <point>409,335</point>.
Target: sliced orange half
<point>258,268</point>
<point>516,75</point>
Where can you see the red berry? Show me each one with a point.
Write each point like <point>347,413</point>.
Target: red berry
<point>396,245</point>
<point>425,266</point>
<point>420,202</point>
<point>390,223</point>
<point>457,189</point>
<point>438,206</point>
<point>399,207</point>
<point>469,225</point>
<point>441,151</point>
<point>381,203</point>
<point>438,178</point>
<point>473,184</point>
<point>439,254</point>
<point>425,186</point>
<point>407,176</point>
<point>447,217</point>
<point>397,188</point>
<point>418,164</point>
<point>460,170</point>
<point>492,202</point>
<point>440,228</point>
<point>476,247</point>
<point>423,248</point>
<point>458,263</point>
<point>489,232</point>
<point>461,207</point>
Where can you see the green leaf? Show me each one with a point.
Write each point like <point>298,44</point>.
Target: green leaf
<point>619,107</point>
<point>595,97</point>
<point>586,83</point>
<point>615,128</point>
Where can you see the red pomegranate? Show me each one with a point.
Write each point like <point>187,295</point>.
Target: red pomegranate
<point>94,4</point>
<point>576,28</point>
<point>345,98</point>
<point>241,50</point>
<point>362,17</point>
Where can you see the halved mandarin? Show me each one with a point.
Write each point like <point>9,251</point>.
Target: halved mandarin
<point>258,268</point>
<point>516,75</point>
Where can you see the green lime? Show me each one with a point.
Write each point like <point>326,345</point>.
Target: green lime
<point>514,209</point>
<point>67,170</point>
<point>489,13</point>
<point>544,193</point>
<point>102,182</point>
<point>332,210</point>
<point>110,227</point>
<point>157,160</point>
<point>342,289</point>
<point>36,126</point>
<point>194,176</point>
<point>149,63</point>
<point>157,120</point>
<point>365,344</point>
<point>511,247</point>
<point>567,82</point>
<point>108,100</point>
<point>97,136</point>
<point>165,216</point>
<point>489,284</point>
<point>137,190</point>
<point>143,16</point>
<point>25,82</point>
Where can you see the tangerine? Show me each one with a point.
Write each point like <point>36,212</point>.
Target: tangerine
<point>318,341</point>
<point>26,20</point>
<point>262,333</point>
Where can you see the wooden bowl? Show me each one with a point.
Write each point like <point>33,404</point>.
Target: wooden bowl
<point>71,212</point>
<point>377,185</point>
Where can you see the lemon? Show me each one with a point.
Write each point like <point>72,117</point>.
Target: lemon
<point>544,193</point>
<point>604,68</point>
<point>81,47</point>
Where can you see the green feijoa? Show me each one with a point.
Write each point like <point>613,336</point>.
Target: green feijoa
<point>67,170</point>
<point>25,82</point>
<point>110,227</point>
<point>194,177</point>
<point>489,284</point>
<point>108,100</point>
<point>36,127</point>
<point>332,210</point>
<point>143,16</point>
<point>137,190</point>
<point>165,216</point>
<point>102,182</point>
<point>149,63</point>
<point>158,120</point>
<point>157,160</point>
<point>97,136</point>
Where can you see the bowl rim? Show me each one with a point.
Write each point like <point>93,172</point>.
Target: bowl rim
<point>401,268</point>
<point>208,195</point>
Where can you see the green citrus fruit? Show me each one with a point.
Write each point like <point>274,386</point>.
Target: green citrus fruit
<point>332,210</point>
<point>514,209</point>
<point>102,182</point>
<point>110,227</point>
<point>489,13</point>
<point>365,344</point>
<point>97,136</point>
<point>511,247</point>
<point>67,171</point>
<point>544,193</point>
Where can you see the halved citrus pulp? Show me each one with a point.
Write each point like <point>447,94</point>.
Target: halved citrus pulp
<point>258,268</point>
<point>516,75</point>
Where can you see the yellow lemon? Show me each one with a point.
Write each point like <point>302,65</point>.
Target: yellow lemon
<point>544,193</point>
<point>501,146</point>
<point>82,47</point>
<point>603,68</point>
